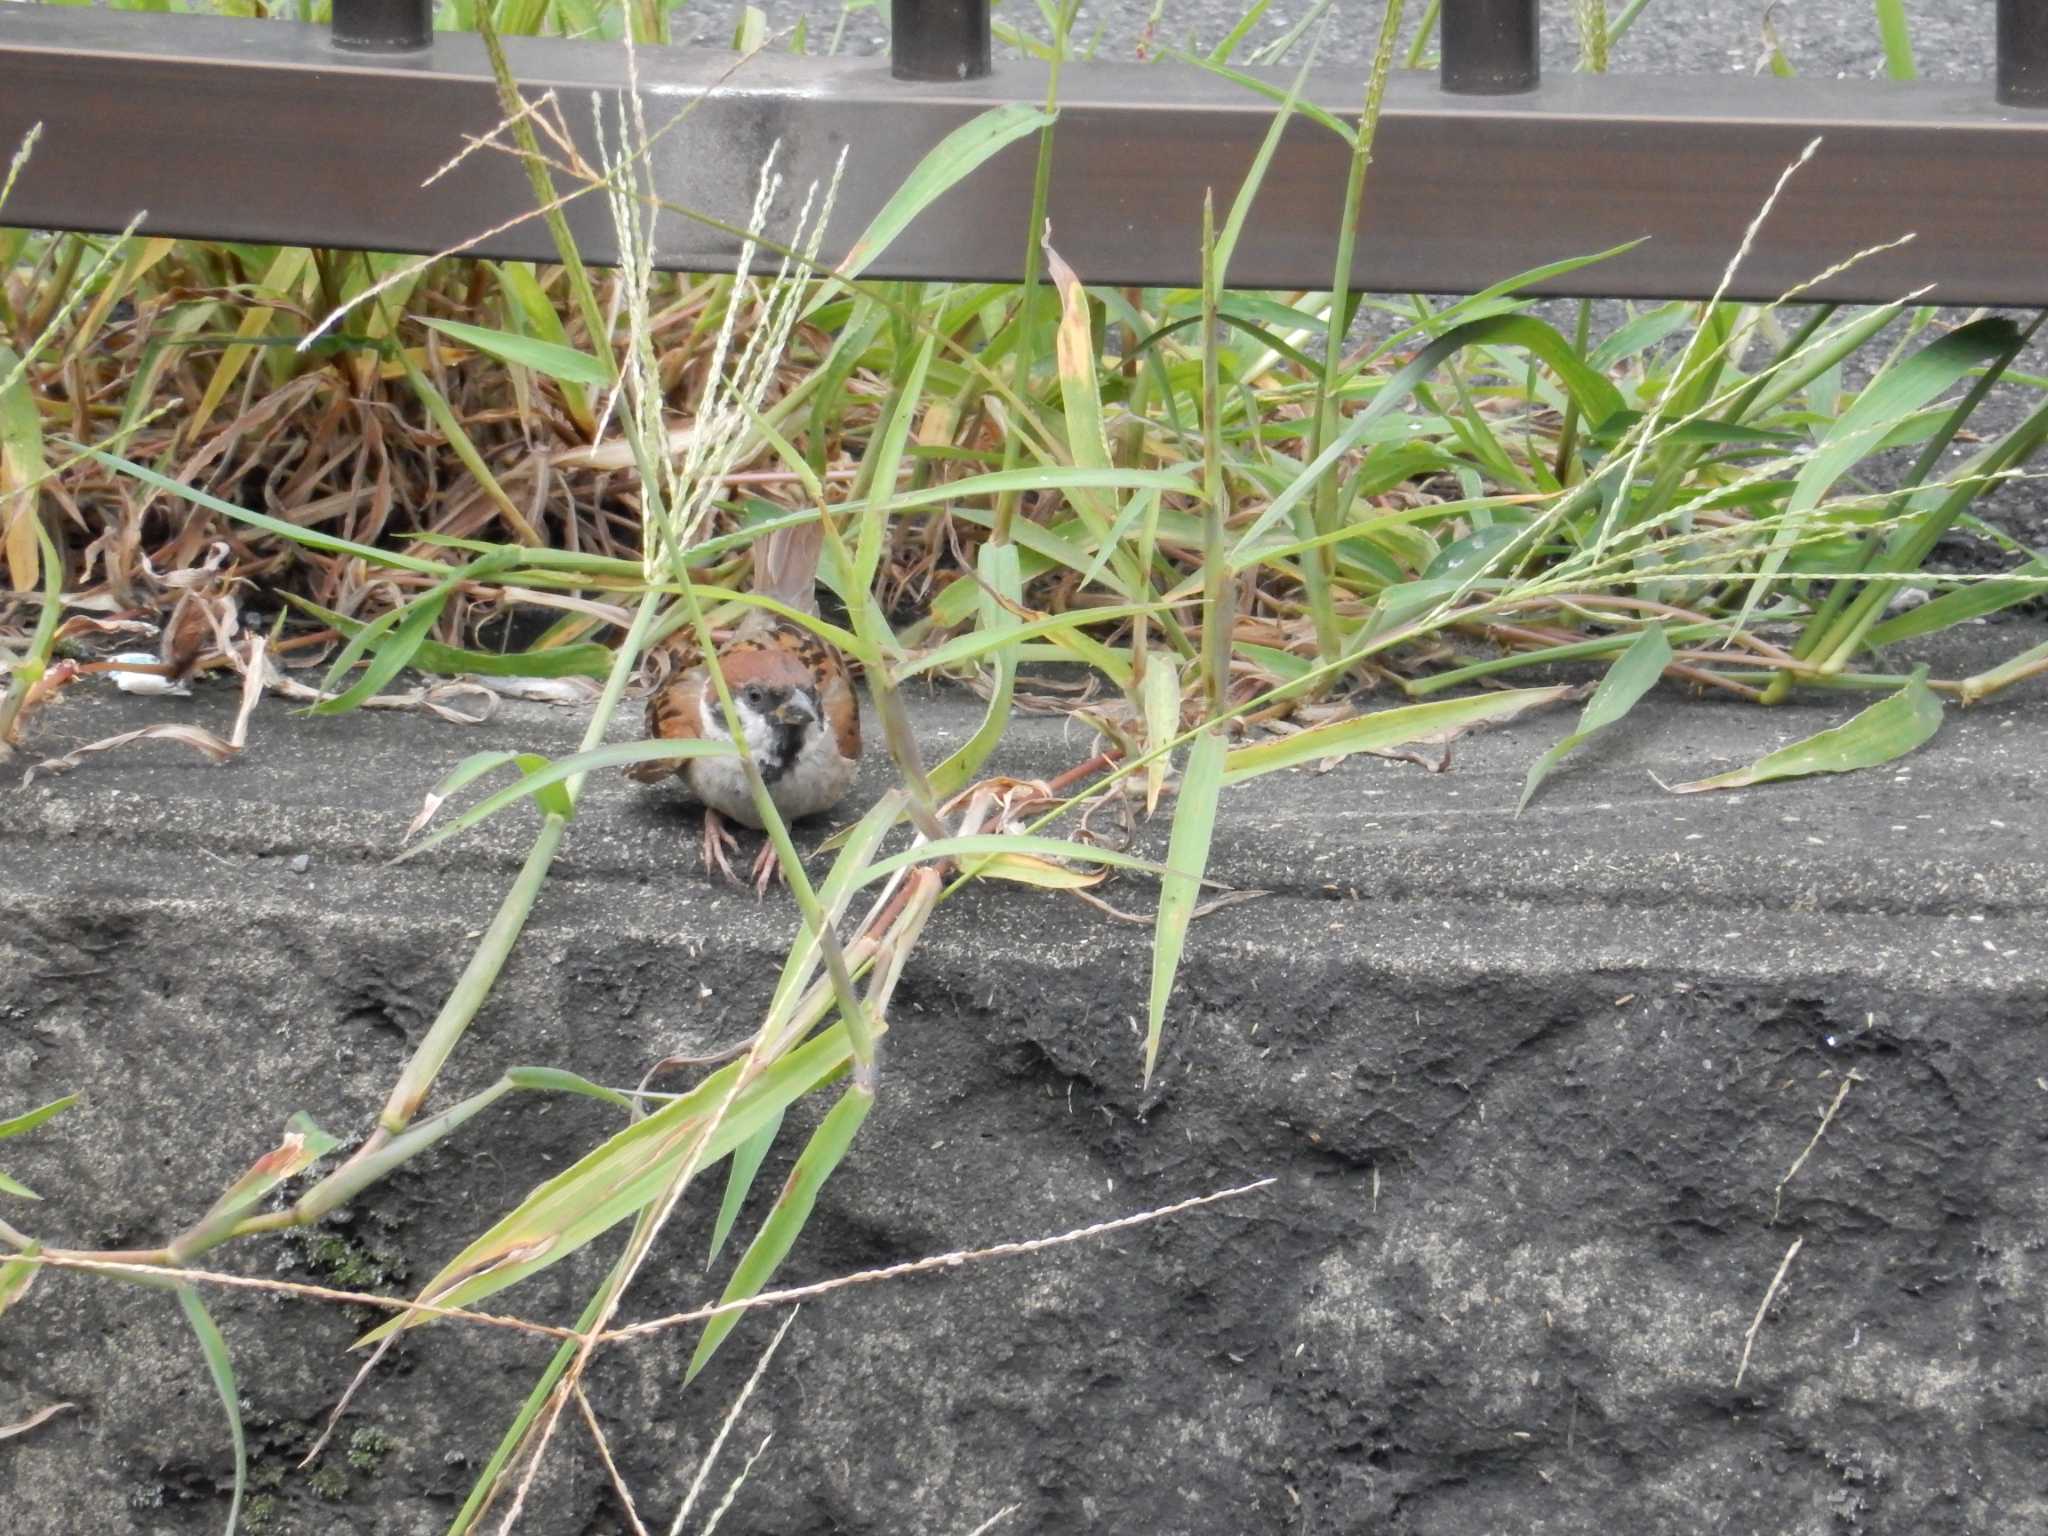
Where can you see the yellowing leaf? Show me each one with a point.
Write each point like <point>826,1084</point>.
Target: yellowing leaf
<point>1029,869</point>
<point>21,469</point>
<point>16,1276</point>
<point>304,1144</point>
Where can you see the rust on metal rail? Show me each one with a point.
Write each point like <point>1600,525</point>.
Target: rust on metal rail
<point>267,131</point>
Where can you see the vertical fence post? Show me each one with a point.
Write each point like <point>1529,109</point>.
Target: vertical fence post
<point>1489,47</point>
<point>939,39</point>
<point>383,26</point>
<point>2023,53</point>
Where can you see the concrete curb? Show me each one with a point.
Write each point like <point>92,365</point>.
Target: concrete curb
<point>1529,1096</point>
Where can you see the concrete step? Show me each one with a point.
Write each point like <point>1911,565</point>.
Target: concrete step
<point>1528,1086</point>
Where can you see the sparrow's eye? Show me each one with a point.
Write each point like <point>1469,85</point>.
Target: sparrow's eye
<point>753,698</point>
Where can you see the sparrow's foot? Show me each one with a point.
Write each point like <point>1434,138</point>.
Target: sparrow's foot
<point>718,843</point>
<point>767,868</point>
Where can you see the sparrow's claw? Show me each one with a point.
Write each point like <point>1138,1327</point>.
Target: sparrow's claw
<point>767,868</point>
<point>718,843</point>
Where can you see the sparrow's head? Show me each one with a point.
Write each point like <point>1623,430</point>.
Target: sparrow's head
<point>786,706</point>
<point>777,702</point>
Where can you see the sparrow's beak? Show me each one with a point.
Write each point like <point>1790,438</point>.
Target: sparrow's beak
<point>792,712</point>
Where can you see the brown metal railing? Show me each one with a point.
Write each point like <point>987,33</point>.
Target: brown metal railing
<point>280,132</point>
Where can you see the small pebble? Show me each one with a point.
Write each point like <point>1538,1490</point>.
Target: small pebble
<point>301,864</point>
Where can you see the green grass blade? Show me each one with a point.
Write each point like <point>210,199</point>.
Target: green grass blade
<point>530,301</point>
<point>1857,432</point>
<point>963,648</point>
<point>464,448</point>
<point>1159,694</point>
<point>304,1144</point>
<point>1933,510</point>
<point>1140,507</point>
<point>856,845</point>
<point>584,660</point>
<point>1383,729</point>
<point>553,799</point>
<point>31,665</point>
<point>541,180</point>
<point>1490,301</point>
<point>1886,731</point>
<point>17,1274</point>
<point>1081,399</point>
<point>30,1119</point>
<point>821,1155</point>
<point>1898,40</point>
<point>1706,434</point>
<point>279,282</point>
<point>951,160</point>
<point>1049,477</point>
<point>747,1158</point>
<point>555,1080</point>
<point>222,1369</point>
<point>1597,400</point>
<point>1638,335</point>
<point>625,1172</point>
<point>1000,574</point>
<point>1265,88</point>
<point>881,462</point>
<point>1819,356</point>
<point>549,772</point>
<point>1222,52</point>
<point>1187,857</point>
<point>395,637</point>
<point>1974,601</point>
<point>1633,674</point>
<point>536,1399</point>
<point>1254,178</point>
<point>564,364</point>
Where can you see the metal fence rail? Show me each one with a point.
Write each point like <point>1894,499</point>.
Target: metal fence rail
<point>272,131</point>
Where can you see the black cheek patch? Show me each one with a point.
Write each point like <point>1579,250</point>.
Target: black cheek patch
<point>783,747</point>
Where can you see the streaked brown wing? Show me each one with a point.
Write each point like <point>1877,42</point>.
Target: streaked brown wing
<point>842,709</point>
<point>673,714</point>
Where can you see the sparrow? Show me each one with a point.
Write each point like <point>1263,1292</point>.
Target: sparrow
<point>795,701</point>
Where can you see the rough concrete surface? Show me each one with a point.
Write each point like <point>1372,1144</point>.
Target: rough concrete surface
<point>1528,1088</point>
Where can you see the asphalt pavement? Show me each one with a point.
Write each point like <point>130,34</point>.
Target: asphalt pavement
<point>1824,38</point>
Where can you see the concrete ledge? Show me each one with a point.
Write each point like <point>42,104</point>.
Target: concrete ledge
<point>1529,1095</point>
